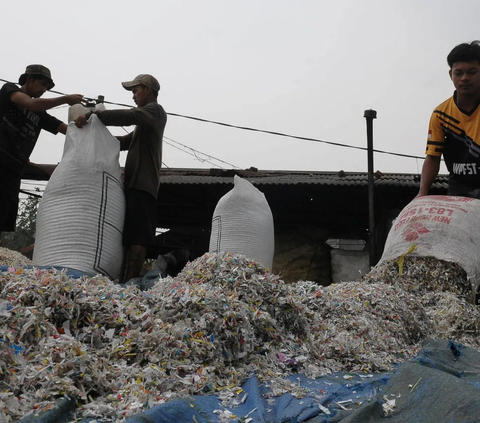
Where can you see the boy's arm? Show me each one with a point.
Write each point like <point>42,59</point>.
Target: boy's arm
<point>430,169</point>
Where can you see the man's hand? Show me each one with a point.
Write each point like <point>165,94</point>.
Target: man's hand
<point>73,99</point>
<point>81,121</point>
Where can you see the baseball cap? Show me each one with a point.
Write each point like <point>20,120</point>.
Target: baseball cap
<point>36,70</point>
<point>142,79</point>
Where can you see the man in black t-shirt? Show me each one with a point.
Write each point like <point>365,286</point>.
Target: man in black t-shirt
<point>22,116</point>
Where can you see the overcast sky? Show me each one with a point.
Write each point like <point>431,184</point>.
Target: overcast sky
<point>305,68</point>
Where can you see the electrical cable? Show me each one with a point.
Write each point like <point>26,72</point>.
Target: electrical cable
<point>193,154</point>
<point>190,154</point>
<point>281,134</point>
<point>207,155</point>
<point>246,128</point>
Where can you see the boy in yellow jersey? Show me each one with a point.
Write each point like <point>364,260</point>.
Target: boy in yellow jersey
<point>454,128</point>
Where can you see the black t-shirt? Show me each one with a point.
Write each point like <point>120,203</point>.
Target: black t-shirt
<point>19,130</point>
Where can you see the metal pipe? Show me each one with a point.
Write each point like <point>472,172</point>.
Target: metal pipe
<point>369,115</point>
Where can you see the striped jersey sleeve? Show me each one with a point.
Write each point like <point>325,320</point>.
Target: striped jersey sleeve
<point>436,136</point>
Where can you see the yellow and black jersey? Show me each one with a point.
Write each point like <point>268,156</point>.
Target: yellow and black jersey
<point>456,134</point>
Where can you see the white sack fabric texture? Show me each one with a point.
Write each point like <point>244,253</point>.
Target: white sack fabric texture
<point>442,227</point>
<point>243,224</point>
<point>81,215</point>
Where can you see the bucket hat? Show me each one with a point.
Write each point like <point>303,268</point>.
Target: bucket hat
<point>36,70</point>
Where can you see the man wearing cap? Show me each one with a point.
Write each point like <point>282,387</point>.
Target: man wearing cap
<point>142,167</point>
<point>22,116</point>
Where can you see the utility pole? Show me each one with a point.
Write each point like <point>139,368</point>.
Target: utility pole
<point>369,115</point>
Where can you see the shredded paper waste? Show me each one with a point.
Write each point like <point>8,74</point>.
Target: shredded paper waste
<point>118,350</point>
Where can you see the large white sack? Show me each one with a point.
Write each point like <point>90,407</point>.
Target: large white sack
<point>81,215</point>
<point>446,228</point>
<point>243,224</point>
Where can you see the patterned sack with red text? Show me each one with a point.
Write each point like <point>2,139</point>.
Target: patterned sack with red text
<point>444,227</point>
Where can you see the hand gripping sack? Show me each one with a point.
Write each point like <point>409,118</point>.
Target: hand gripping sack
<point>81,215</point>
<point>442,227</point>
<point>243,224</point>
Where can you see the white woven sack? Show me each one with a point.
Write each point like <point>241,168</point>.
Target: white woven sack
<point>442,227</point>
<point>81,215</point>
<point>243,224</point>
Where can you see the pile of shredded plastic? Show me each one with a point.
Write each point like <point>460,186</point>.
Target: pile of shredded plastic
<point>444,291</point>
<point>119,350</point>
<point>13,258</point>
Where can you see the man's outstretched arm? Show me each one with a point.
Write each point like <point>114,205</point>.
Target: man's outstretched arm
<point>42,104</point>
<point>136,116</point>
<point>430,170</point>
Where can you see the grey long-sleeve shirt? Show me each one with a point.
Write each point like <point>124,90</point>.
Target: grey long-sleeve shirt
<point>144,144</point>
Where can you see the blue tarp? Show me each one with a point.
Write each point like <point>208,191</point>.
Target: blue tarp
<point>442,384</point>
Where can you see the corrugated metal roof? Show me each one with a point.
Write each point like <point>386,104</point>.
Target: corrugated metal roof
<point>217,176</point>
<point>270,177</point>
